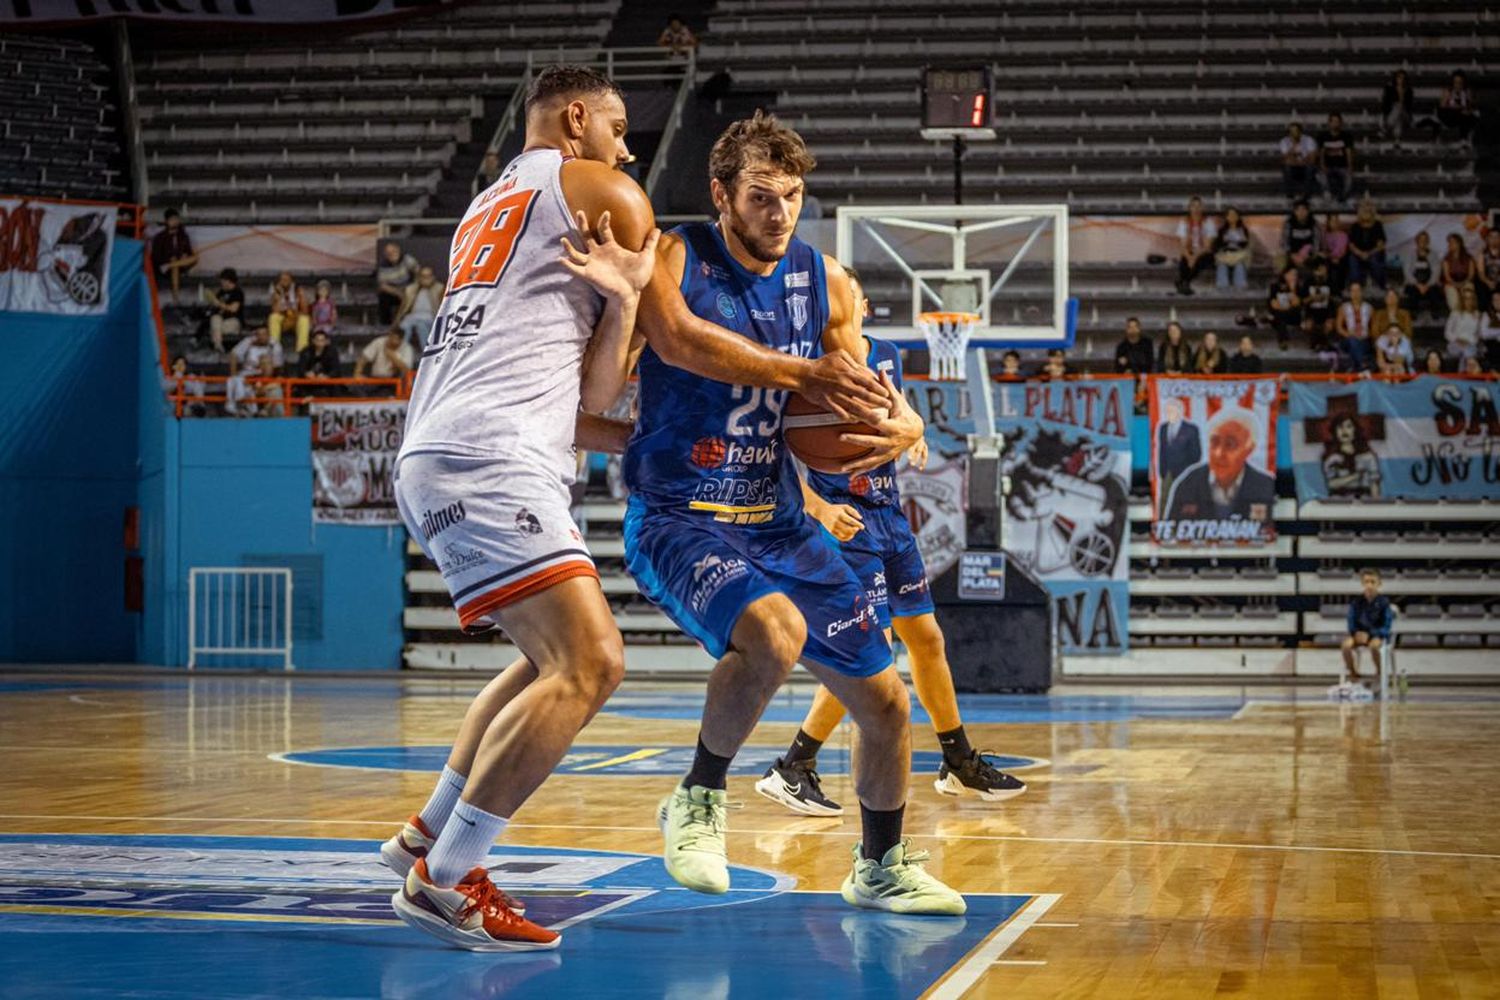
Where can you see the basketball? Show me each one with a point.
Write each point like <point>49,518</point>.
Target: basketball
<point>813,435</point>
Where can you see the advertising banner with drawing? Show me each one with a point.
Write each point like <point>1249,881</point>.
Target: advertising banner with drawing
<point>1432,438</point>
<point>54,256</point>
<point>354,448</point>
<point>1067,458</point>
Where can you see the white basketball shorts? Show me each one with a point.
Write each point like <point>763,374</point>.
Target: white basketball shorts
<point>498,531</point>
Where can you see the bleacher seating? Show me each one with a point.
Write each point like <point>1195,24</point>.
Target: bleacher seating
<point>58,135</point>
<point>346,129</point>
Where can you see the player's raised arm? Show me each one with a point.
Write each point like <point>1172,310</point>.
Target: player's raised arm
<point>901,426</point>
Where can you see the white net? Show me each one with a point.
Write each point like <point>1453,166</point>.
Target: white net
<point>947,335</point>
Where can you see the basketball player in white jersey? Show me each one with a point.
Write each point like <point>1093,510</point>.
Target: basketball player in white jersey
<point>523,338</point>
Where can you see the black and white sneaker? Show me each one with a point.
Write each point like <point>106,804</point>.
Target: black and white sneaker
<point>979,776</point>
<point>796,786</point>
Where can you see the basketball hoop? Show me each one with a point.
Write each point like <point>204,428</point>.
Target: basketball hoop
<point>947,335</point>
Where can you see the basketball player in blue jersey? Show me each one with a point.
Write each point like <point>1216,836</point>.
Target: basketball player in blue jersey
<point>716,534</point>
<point>864,513</point>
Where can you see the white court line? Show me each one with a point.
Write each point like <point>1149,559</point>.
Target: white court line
<point>1020,961</point>
<point>978,962</point>
<point>851,834</point>
<point>1051,924</point>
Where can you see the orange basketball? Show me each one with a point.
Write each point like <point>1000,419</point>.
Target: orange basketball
<point>812,434</point>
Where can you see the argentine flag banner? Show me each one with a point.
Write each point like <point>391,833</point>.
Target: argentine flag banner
<point>1431,438</point>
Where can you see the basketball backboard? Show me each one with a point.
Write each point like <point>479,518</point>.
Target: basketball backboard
<point>1008,263</point>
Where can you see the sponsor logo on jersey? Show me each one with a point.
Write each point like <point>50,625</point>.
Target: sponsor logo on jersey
<point>798,279</point>
<point>526,522</point>
<point>769,315</point>
<point>864,614</point>
<point>912,588</point>
<point>864,484</point>
<point>709,452</point>
<point>435,522</point>
<point>712,574</point>
<point>798,306</point>
<point>725,305</point>
<point>736,491</point>
<point>456,558</point>
<point>739,457</point>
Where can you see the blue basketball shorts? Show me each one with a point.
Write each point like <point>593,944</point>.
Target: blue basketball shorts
<point>704,575</point>
<point>885,557</point>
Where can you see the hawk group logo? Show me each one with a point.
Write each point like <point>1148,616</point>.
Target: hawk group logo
<point>709,452</point>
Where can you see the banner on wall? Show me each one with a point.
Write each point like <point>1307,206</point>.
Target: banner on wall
<point>1067,515</point>
<point>354,448</point>
<point>1432,438</point>
<point>54,256</point>
<point>242,11</point>
<point>1213,460</point>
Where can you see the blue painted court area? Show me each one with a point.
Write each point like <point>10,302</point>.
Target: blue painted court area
<point>622,760</point>
<point>121,916</point>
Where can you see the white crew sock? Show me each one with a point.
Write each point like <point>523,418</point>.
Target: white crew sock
<point>463,844</point>
<point>444,797</point>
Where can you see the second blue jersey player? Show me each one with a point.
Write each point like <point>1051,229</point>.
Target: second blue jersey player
<point>864,513</point>
<point>717,536</point>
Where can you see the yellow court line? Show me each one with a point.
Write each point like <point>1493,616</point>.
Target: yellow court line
<point>105,911</point>
<point>641,754</point>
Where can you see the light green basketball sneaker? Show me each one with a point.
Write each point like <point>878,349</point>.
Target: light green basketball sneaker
<point>693,822</point>
<point>898,883</point>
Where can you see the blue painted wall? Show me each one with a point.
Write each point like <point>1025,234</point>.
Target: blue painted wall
<point>68,448</point>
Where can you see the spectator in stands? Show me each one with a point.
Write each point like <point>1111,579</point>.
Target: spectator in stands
<point>1456,107</point>
<point>1245,361</point>
<point>1318,307</point>
<point>1370,619</point>
<point>324,311</point>
<point>256,356</point>
<point>1395,107</point>
<point>1196,233</point>
<point>1336,251</point>
<point>1462,329</point>
<point>1299,156</point>
<point>1367,246</point>
<point>1489,265</point>
<point>387,356</point>
<point>1300,237</point>
<point>677,36</point>
<point>229,308</point>
<point>289,311</point>
<point>1056,366</point>
<point>1210,358</point>
<point>178,382</point>
<point>172,254</point>
<point>1175,356</point>
<point>1473,366</point>
<point>1133,354</point>
<point>490,168</point>
<point>1179,445</point>
<point>1010,365</point>
<point>1350,468</point>
<point>1459,270</point>
<point>1393,353</point>
<point>1232,251</point>
<point>1424,280</point>
<point>1391,314</point>
<point>420,307</point>
<point>1489,333</point>
<point>321,359</point>
<point>1336,158</point>
<point>1285,304</point>
<point>1432,362</point>
<point>1353,327</point>
<point>396,271</point>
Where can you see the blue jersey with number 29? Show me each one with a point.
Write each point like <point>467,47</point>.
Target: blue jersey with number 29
<point>715,448</point>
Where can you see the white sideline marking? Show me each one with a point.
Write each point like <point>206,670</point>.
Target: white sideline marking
<point>972,968</point>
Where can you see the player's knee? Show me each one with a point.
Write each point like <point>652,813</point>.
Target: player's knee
<point>924,639</point>
<point>771,633</point>
<point>888,707</point>
<point>596,671</point>
<point>1348,642</point>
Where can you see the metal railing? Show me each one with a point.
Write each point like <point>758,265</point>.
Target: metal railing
<point>674,122</point>
<point>278,397</point>
<point>239,611</point>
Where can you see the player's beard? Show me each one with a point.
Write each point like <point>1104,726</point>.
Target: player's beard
<point>764,250</point>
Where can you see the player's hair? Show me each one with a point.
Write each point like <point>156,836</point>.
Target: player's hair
<point>569,81</point>
<point>1369,571</point>
<point>762,137</point>
<point>854,276</point>
<point>171,213</point>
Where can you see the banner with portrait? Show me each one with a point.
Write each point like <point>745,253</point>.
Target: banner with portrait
<point>1213,460</point>
<point>354,448</point>
<point>54,256</point>
<point>1066,454</point>
<point>1430,438</point>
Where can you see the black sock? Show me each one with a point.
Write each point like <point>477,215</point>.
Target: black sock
<point>882,829</point>
<point>709,769</point>
<point>955,744</point>
<point>803,747</point>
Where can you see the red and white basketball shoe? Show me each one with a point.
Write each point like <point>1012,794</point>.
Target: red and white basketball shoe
<point>471,915</point>
<point>412,844</point>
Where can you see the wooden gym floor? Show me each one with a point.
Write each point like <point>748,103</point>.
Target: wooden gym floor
<point>214,837</point>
